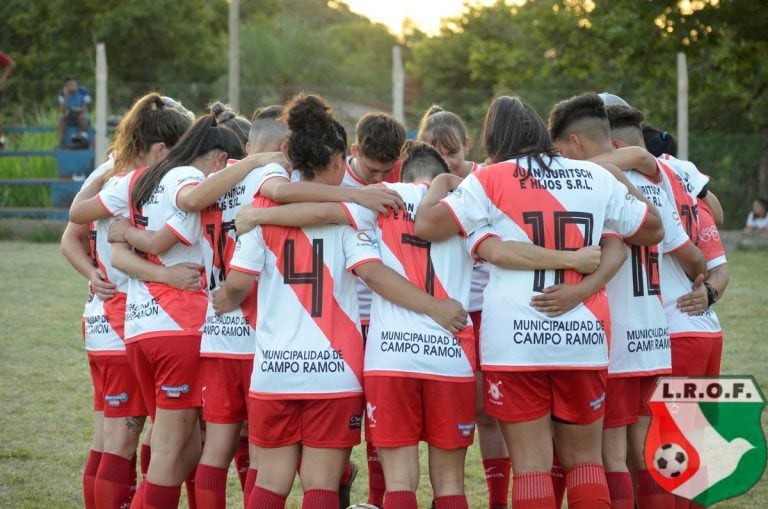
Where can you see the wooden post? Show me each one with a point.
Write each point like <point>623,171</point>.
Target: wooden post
<point>398,85</point>
<point>682,106</point>
<point>100,143</point>
<point>234,55</point>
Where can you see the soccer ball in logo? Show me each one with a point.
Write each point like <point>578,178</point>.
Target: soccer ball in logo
<point>670,460</point>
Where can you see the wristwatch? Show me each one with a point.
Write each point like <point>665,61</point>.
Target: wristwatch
<point>712,294</point>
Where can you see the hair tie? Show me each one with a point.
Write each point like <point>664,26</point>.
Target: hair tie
<point>664,135</point>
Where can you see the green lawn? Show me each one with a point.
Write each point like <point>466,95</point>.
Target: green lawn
<point>45,392</point>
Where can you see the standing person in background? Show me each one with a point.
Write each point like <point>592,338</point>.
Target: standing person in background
<point>8,66</point>
<point>146,133</point>
<point>446,132</point>
<point>74,103</point>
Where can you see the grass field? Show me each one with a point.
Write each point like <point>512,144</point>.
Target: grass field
<point>45,391</point>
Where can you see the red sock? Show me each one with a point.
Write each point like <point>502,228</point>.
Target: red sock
<point>650,495</point>
<point>497,478</point>
<point>135,482</point>
<point>161,497</point>
<point>189,483</point>
<point>250,483</point>
<point>376,486</point>
<point>320,499</point>
<point>89,478</point>
<point>211,487</point>
<point>114,481</point>
<point>400,500</point>
<point>558,480</point>
<point>262,498</point>
<point>587,487</point>
<point>532,490</point>
<point>146,454</point>
<point>452,502</point>
<point>242,460</point>
<point>620,489</point>
<point>347,475</point>
<point>137,502</point>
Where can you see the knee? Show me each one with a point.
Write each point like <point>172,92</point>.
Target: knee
<point>483,420</point>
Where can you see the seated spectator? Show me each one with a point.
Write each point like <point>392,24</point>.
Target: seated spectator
<point>74,103</point>
<point>757,220</point>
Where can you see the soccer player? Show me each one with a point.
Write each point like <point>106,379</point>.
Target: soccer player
<point>445,131</point>
<point>306,395</point>
<point>543,374</point>
<point>640,347</point>
<point>144,135</point>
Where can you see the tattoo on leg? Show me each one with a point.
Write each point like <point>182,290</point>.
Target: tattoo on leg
<point>134,424</point>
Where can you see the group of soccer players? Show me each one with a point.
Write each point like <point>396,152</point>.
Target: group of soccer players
<point>263,292</point>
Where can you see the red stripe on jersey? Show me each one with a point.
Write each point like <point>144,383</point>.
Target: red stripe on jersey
<point>397,232</point>
<point>114,309</point>
<point>312,282</point>
<point>546,222</point>
<point>685,205</point>
<point>187,309</point>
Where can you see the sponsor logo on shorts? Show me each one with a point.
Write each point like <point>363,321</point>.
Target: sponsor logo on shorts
<point>597,404</point>
<point>176,391</point>
<point>466,429</point>
<point>115,400</point>
<point>369,410</point>
<point>494,390</point>
<point>356,421</point>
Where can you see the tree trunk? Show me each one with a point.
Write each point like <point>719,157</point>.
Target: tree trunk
<point>762,165</point>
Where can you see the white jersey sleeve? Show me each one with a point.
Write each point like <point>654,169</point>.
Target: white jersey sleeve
<point>469,205</point>
<point>268,172</point>
<point>250,253</point>
<point>360,247</point>
<point>625,214</point>
<point>116,198</point>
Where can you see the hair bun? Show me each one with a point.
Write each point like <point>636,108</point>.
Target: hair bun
<point>309,113</point>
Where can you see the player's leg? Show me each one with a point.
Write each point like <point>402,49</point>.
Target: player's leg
<point>321,469</point>
<point>621,404</point>
<point>97,442</point>
<point>278,467</point>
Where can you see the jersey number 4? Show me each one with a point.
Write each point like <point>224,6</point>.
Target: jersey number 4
<point>314,278</point>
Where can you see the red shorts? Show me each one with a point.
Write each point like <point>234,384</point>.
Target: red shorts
<point>574,396</point>
<point>224,384</point>
<point>477,318</point>
<point>697,356</point>
<point>322,423</point>
<point>402,411</point>
<point>167,369</point>
<point>625,399</point>
<point>116,391</point>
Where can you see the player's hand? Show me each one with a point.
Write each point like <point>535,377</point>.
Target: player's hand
<point>558,299</point>
<point>586,260</point>
<point>264,158</point>
<point>247,219</point>
<point>184,276</point>
<point>696,301</point>
<point>379,199</point>
<point>449,314</point>
<point>221,301</point>
<point>100,286</point>
<point>117,229</point>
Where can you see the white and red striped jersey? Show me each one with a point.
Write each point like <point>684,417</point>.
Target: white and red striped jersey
<point>688,174</point>
<point>104,321</point>
<point>402,342</point>
<point>710,243</point>
<point>364,293</point>
<point>685,203</point>
<point>156,309</point>
<point>565,207</point>
<point>230,334</point>
<point>639,335</point>
<point>308,338</point>
<point>481,272</point>
<point>675,282</point>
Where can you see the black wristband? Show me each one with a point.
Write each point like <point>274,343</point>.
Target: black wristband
<point>712,294</point>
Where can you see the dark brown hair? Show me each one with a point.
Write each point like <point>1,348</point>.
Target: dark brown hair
<point>512,130</point>
<point>421,160</point>
<point>442,128</point>
<point>380,137</point>
<point>584,106</point>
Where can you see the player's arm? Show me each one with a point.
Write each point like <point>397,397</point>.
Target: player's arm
<point>630,158</point>
<point>705,292</point>
<point>197,197</point>
<point>559,299</point>
<point>148,241</point>
<point>184,276</point>
<point>86,206</point>
<point>691,260</point>
<point>511,254</point>
<point>448,313</point>
<point>292,214</point>
<point>377,198</point>
<point>233,291</point>
<point>75,248</point>
<point>651,231</point>
<point>434,221</point>
<point>718,215</point>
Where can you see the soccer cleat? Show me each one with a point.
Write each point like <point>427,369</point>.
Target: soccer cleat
<point>345,490</point>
